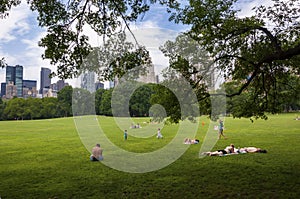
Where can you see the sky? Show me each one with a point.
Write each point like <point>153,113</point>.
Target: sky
<point>20,33</point>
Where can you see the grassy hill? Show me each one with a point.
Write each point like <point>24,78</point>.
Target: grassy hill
<point>46,159</point>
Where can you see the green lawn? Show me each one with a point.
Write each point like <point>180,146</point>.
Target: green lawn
<point>46,159</point>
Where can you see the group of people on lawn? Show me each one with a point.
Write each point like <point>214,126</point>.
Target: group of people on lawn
<point>229,150</point>
<point>97,150</point>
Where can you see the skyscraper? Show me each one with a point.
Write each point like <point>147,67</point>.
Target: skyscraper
<point>19,80</point>
<point>3,89</point>
<point>14,75</point>
<point>45,80</point>
<point>88,81</point>
<point>10,74</point>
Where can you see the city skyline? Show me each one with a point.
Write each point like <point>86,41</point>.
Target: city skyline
<point>4,79</point>
<point>16,85</point>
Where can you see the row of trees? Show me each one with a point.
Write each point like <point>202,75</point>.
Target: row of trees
<point>140,103</point>
<point>37,108</point>
<point>50,107</point>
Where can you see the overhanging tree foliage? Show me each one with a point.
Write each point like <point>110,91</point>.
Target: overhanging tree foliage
<point>259,52</point>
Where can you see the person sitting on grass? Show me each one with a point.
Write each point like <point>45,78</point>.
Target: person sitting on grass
<point>159,135</point>
<point>96,153</point>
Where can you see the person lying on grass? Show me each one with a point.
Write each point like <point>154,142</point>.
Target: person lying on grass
<point>231,150</point>
<point>251,150</point>
<point>191,141</point>
<point>228,150</point>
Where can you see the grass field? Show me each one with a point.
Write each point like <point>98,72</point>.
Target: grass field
<point>46,159</point>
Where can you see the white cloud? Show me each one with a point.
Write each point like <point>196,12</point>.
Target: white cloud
<point>19,43</point>
<point>32,59</point>
<point>246,6</point>
<point>16,24</point>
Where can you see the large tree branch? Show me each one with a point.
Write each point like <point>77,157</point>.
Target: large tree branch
<point>241,31</point>
<point>126,23</point>
<point>79,15</point>
<point>254,74</point>
<point>273,39</point>
<point>226,56</point>
<point>283,55</point>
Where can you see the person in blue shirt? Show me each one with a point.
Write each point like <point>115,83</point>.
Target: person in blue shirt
<point>125,135</point>
<point>221,129</point>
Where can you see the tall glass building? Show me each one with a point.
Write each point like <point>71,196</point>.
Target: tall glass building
<point>45,80</point>
<point>3,89</point>
<point>15,74</point>
<point>19,80</point>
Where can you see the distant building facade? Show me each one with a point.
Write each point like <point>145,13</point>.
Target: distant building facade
<point>60,84</point>
<point>11,90</point>
<point>149,77</point>
<point>45,80</point>
<point>29,88</point>
<point>50,93</point>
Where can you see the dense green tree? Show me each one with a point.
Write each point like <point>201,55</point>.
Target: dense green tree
<point>166,98</point>
<point>15,109</point>
<point>105,106</point>
<point>139,103</point>
<point>289,94</point>
<point>190,59</point>
<point>98,98</point>
<point>49,107</point>
<point>33,108</point>
<point>2,106</point>
<point>64,97</point>
<point>194,63</point>
<point>287,98</point>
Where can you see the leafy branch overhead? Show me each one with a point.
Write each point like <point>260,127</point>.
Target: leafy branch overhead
<point>66,45</point>
<point>264,43</point>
